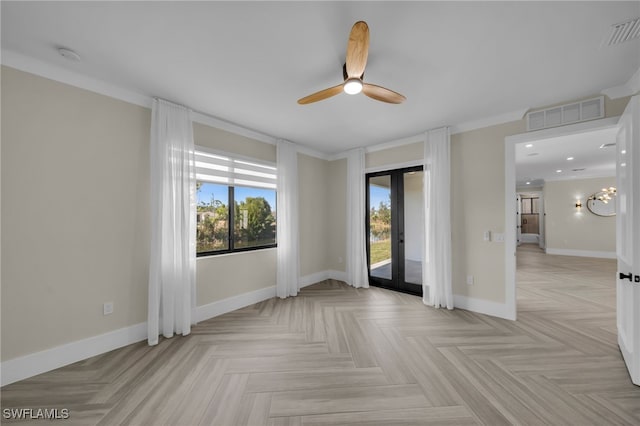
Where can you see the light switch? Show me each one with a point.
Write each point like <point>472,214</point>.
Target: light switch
<point>498,238</point>
<point>487,235</point>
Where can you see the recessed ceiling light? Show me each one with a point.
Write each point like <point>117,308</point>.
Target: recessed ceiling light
<point>529,145</point>
<point>69,54</point>
<point>558,171</point>
<point>528,183</point>
<point>624,151</point>
<point>569,158</point>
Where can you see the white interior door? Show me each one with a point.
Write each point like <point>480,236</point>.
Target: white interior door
<point>628,237</point>
<point>518,219</point>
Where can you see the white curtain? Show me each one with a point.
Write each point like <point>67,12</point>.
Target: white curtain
<point>288,269</point>
<point>357,274</point>
<point>436,269</point>
<point>172,268</point>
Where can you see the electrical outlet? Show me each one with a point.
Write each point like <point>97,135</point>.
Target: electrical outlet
<point>107,308</point>
<point>469,279</point>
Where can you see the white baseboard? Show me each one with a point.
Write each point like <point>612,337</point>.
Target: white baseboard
<point>36,363</point>
<point>230,304</point>
<point>485,307</point>
<point>314,278</point>
<point>338,275</point>
<point>317,277</point>
<point>582,253</point>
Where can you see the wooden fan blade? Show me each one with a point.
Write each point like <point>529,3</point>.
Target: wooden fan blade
<point>321,95</point>
<point>380,93</point>
<point>357,49</point>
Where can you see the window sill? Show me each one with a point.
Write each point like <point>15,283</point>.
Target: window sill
<point>234,253</point>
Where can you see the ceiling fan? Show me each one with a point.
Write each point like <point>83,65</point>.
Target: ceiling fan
<point>353,72</point>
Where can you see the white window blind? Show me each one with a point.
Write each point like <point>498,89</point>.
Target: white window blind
<point>229,169</point>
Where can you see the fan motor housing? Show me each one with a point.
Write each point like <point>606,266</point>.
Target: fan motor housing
<point>344,72</point>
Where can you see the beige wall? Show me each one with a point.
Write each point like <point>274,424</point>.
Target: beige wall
<point>477,190</point>
<point>391,156</point>
<point>477,201</point>
<point>336,215</point>
<point>313,204</point>
<point>477,163</point>
<point>569,228</point>
<point>75,208</point>
<point>477,205</point>
<point>75,192</point>
<point>222,140</point>
<point>227,275</point>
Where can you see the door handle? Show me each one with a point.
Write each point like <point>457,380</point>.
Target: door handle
<point>629,276</point>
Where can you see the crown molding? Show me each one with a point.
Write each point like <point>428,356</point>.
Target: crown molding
<point>228,126</point>
<point>494,120</point>
<point>395,143</point>
<point>76,79</point>
<point>608,174</point>
<point>72,78</point>
<point>302,149</point>
<point>458,128</point>
<point>630,88</point>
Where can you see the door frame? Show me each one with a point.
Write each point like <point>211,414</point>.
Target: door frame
<point>628,238</point>
<point>510,142</point>
<point>541,214</point>
<point>397,242</point>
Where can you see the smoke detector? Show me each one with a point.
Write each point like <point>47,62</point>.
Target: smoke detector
<point>69,54</point>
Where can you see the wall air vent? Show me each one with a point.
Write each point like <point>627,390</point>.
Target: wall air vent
<point>589,109</point>
<point>623,31</point>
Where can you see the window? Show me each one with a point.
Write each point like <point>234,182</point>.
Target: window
<point>236,208</point>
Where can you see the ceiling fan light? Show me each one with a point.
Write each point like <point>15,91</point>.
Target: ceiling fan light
<point>353,86</point>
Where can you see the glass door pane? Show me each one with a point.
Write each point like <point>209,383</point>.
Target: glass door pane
<point>380,212</point>
<point>413,226</point>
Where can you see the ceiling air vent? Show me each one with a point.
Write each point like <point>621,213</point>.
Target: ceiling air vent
<point>589,109</point>
<point>624,31</point>
<point>607,145</point>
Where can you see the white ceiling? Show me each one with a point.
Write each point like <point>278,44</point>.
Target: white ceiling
<point>541,162</point>
<point>248,62</point>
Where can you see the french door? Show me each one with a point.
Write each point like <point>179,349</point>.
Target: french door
<point>395,226</point>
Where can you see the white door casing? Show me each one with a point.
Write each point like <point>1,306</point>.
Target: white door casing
<point>541,223</point>
<point>518,219</point>
<point>628,237</point>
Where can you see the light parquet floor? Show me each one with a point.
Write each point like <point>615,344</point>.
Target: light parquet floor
<point>335,355</point>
